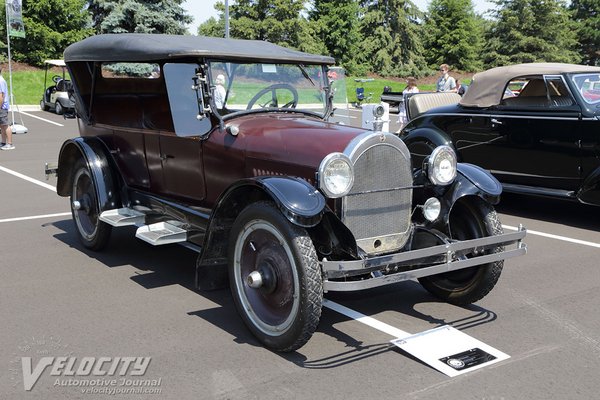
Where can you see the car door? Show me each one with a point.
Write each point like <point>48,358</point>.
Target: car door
<point>531,139</point>
<point>181,149</point>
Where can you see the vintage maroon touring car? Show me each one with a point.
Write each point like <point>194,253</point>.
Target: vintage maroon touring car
<point>227,146</point>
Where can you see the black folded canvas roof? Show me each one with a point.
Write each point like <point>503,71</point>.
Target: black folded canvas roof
<point>131,47</point>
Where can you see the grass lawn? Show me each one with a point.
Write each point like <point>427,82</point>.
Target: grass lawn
<point>28,86</point>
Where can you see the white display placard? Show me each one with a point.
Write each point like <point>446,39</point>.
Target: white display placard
<point>450,351</point>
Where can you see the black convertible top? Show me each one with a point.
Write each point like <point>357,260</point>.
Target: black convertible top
<point>131,47</point>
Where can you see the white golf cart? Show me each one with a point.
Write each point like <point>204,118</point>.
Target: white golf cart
<point>56,97</point>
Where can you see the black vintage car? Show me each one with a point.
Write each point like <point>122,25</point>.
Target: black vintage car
<point>227,147</point>
<point>535,127</point>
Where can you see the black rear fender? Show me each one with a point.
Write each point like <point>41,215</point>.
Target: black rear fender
<point>95,155</point>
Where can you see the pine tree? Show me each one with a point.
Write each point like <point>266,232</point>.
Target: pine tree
<point>336,26</point>
<point>140,16</point>
<point>531,31</point>
<point>453,35</point>
<point>586,14</point>
<point>392,44</point>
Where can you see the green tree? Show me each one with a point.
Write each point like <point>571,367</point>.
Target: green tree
<point>453,35</point>
<point>531,31</point>
<point>140,16</point>
<point>392,44</point>
<point>586,14</point>
<point>50,26</point>
<point>335,30</point>
<point>276,21</point>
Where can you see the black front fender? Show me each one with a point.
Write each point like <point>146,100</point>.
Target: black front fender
<point>297,200</point>
<point>472,180</point>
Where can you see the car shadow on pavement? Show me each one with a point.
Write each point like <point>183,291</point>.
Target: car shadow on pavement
<point>546,209</point>
<point>175,265</point>
<point>401,299</point>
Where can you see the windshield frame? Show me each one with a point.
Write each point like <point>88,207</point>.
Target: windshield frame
<point>231,72</point>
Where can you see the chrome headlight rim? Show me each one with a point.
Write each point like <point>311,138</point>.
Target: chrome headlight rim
<point>434,160</point>
<point>326,163</point>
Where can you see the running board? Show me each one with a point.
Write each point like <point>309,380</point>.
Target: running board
<point>122,217</point>
<point>161,233</point>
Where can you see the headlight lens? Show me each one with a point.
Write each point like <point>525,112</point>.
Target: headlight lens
<point>432,209</point>
<point>442,165</point>
<point>336,175</point>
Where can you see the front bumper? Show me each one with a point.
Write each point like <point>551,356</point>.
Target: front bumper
<point>448,253</point>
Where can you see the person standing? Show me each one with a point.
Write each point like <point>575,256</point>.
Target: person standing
<point>411,87</point>
<point>4,127</point>
<point>220,92</point>
<point>446,83</point>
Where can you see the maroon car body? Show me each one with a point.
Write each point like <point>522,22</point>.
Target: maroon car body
<point>227,147</point>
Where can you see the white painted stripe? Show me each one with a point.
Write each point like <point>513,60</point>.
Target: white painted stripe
<point>557,237</point>
<point>25,177</point>
<point>372,322</point>
<point>35,217</point>
<point>40,118</point>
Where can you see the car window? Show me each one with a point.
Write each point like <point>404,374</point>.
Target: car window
<point>251,86</point>
<point>588,86</point>
<point>130,70</point>
<point>184,101</point>
<point>559,93</point>
<point>537,92</point>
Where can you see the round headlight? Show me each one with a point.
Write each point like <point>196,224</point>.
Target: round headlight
<point>442,165</point>
<point>336,175</point>
<point>432,209</point>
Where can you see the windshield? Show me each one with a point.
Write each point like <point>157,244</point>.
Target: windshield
<point>589,87</point>
<point>254,86</point>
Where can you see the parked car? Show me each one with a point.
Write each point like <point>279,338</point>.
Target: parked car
<point>535,127</point>
<point>56,97</point>
<point>277,200</point>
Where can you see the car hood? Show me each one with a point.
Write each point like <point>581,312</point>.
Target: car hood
<point>273,141</point>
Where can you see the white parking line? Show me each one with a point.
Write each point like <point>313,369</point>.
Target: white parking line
<point>40,118</point>
<point>35,217</point>
<point>372,322</point>
<point>557,237</point>
<point>28,179</point>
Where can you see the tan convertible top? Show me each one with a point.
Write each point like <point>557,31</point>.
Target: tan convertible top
<point>487,88</point>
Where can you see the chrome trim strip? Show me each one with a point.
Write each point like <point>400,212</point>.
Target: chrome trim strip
<point>422,272</point>
<point>382,261</point>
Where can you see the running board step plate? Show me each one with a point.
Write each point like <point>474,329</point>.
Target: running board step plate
<point>161,233</point>
<point>122,217</point>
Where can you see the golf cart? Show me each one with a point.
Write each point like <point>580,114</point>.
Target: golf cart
<point>56,97</point>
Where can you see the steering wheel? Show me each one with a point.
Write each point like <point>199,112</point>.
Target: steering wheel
<point>273,101</point>
<point>56,78</point>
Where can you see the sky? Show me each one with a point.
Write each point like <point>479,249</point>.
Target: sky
<point>202,10</point>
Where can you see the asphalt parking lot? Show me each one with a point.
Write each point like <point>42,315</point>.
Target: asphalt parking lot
<point>134,300</point>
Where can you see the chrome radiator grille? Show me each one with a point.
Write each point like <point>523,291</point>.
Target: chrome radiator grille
<point>378,209</point>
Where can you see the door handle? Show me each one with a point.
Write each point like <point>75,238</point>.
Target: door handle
<point>165,156</point>
<point>495,121</point>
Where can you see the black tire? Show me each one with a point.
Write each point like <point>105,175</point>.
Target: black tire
<point>93,233</point>
<point>469,219</point>
<point>43,105</point>
<point>284,312</point>
<point>58,108</point>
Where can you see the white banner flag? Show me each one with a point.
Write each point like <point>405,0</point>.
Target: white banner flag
<point>15,18</point>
